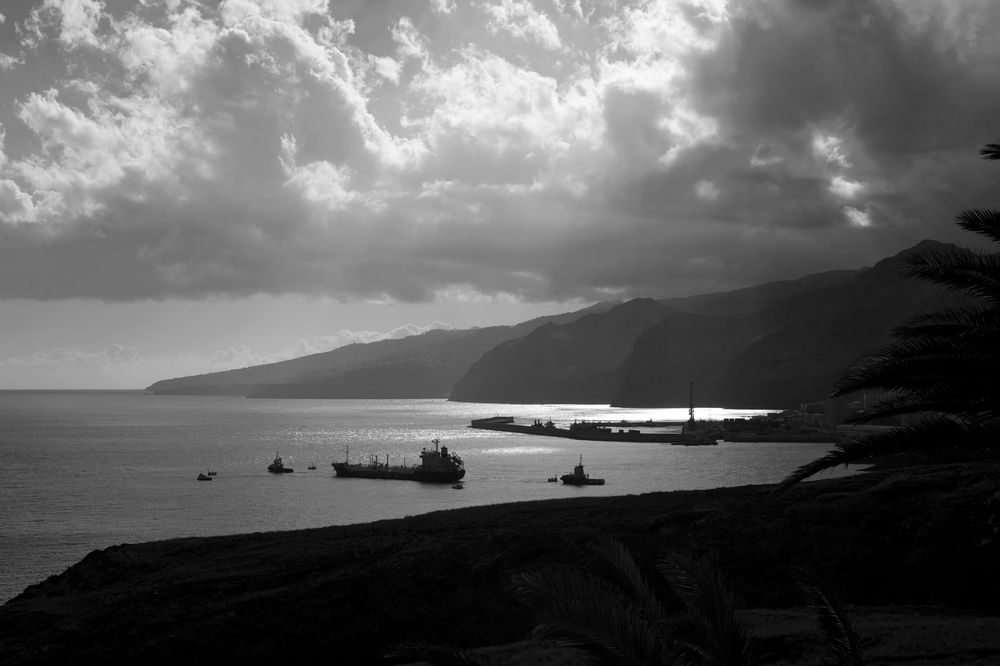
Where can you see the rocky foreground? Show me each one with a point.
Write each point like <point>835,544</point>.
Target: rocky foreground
<point>914,552</point>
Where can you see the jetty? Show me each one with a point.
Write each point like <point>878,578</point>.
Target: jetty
<point>589,431</point>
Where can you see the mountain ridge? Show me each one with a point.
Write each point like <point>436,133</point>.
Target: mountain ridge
<point>316,375</point>
<point>771,345</point>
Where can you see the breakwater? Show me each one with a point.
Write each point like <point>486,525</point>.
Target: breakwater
<point>589,431</point>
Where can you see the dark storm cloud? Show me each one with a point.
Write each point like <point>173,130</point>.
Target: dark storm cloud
<point>547,150</point>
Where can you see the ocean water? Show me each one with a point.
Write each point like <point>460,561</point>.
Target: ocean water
<point>84,470</point>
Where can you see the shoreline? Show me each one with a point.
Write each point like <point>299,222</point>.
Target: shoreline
<point>891,538</point>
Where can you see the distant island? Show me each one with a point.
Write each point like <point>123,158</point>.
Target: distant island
<point>773,346</point>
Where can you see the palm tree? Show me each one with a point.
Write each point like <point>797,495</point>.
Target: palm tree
<point>943,369</point>
<point>626,622</point>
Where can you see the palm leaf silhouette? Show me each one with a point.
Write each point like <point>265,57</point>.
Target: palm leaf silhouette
<point>604,622</point>
<point>625,621</point>
<point>714,631</point>
<point>941,371</point>
<point>845,645</point>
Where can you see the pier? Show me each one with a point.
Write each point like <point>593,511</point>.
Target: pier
<point>593,431</point>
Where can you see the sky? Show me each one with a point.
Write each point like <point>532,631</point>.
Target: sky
<point>196,186</point>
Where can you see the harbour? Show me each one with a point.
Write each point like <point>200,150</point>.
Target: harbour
<point>91,469</point>
<point>583,430</point>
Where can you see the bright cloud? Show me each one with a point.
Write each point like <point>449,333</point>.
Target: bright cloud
<point>846,189</point>
<point>521,19</point>
<point>543,150</point>
<point>857,218</point>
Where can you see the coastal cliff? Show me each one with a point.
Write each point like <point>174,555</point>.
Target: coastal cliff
<point>887,542</point>
<point>575,362</point>
<point>787,351</point>
<point>419,366</point>
<point>772,346</point>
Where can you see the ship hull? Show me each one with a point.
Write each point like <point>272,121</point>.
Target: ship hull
<point>570,481</point>
<point>397,473</point>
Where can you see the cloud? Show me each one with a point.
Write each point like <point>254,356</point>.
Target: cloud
<point>443,6</point>
<point>522,20</point>
<point>542,150</point>
<point>706,189</point>
<point>346,337</point>
<point>858,218</point>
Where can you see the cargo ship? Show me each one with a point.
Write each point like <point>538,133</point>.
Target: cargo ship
<point>437,465</point>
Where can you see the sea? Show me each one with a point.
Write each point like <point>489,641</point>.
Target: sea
<point>85,470</point>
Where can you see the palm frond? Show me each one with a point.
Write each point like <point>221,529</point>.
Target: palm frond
<point>619,556</point>
<point>916,364</point>
<point>960,269</point>
<point>990,151</point>
<point>715,630</point>
<point>589,647</point>
<point>963,323</point>
<point>614,634</point>
<point>952,406</point>
<point>554,585</point>
<point>582,609</point>
<point>983,221</point>
<point>930,434</point>
<point>846,646</point>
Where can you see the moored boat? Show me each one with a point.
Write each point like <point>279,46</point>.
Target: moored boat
<point>580,478</point>
<point>278,467</point>
<point>437,465</point>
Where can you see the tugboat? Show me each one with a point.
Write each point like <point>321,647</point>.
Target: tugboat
<point>278,467</point>
<point>437,465</point>
<point>580,478</point>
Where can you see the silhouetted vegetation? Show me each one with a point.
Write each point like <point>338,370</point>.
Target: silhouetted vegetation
<point>621,618</point>
<point>941,372</point>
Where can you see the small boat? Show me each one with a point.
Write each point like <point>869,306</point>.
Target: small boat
<point>552,479</point>
<point>211,473</point>
<point>458,486</point>
<point>278,467</point>
<point>580,478</point>
<point>311,466</point>
<point>204,477</point>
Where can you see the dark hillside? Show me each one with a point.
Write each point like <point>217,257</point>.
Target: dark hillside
<point>753,299</point>
<point>784,354</point>
<point>577,362</point>
<point>418,366</point>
